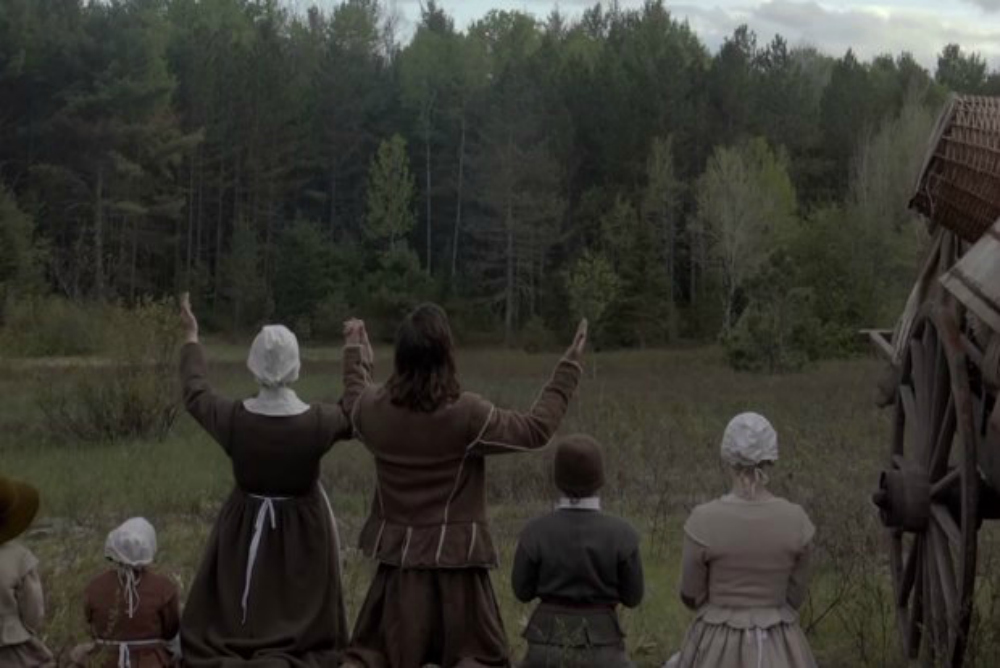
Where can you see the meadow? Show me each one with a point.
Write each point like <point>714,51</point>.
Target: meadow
<point>660,415</point>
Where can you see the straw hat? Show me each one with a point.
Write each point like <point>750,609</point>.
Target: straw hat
<point>18,507</point>
<point>579,466</point>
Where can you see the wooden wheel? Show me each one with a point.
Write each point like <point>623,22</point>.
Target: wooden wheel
<point>928,497</point>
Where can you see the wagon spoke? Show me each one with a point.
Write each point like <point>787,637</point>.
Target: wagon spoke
<point>944,485</point>
<point>947,524</point>
<point>945,568</point>
<point>909,576</point>
<point>932,599</point>
<point>913,425</point>
<point>921,381</point>
<point>943,440</point>
<point>941,395</point>
<point>915,613</point>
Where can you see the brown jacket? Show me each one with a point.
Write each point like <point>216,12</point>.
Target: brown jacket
<point>429,509</point>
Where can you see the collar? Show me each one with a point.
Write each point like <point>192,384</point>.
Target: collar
<point>276,402</point>
<point>586,503</point>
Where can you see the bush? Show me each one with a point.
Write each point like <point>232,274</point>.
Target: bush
<point>130,393</point>
<point>395,287</point>
<point>535,337</point>
<point>773,335</point>
<point>52,327</point>
<point>327,321</point>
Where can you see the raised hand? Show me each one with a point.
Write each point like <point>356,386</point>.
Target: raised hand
<point>189,323</point>
<point>575,352</point>
<point>355,334</point>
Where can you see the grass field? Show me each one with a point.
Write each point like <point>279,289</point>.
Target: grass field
<point>659,413</point>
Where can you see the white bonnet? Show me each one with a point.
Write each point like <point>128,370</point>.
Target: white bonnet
<point>749,440</point>
<point>274,357</point>
<point>132,544</point>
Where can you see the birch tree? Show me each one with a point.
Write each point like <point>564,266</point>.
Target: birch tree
<point>746,203</point>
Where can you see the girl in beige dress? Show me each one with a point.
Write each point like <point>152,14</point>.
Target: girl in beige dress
<point>745,565</point>
<point>22,607</point>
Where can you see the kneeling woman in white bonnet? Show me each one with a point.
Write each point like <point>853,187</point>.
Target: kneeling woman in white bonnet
<point>745,564</point>
<point>268,592</point>
<point>132,613</point>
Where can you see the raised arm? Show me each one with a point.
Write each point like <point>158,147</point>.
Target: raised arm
<point>358,363</point>
<point>211,411</point>
<point>497,431</point>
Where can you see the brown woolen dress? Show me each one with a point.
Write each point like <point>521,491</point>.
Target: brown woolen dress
<point>431,600</point>
<point>295,612</point>
<point>157,617</point>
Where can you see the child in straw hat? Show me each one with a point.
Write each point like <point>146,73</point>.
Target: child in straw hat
<point>22,607</point>
<point>581,564</point>
<point>133,613</point>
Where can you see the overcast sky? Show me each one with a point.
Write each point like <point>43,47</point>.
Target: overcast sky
<point>871,27</point>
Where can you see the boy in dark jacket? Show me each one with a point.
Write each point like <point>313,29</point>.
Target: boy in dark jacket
<point>581,564</point>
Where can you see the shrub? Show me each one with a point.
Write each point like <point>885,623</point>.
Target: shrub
<point>52,327</point>
<point>327,322</point>
<point>396,286</point>
<point>535,337</point>
<point>132,392</point>
<point>773,335</point>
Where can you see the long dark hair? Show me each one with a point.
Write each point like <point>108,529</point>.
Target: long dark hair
<point>425,377</point>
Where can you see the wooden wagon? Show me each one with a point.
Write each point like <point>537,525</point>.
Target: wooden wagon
<point>942,477</point>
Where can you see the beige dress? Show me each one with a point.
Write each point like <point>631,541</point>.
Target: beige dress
<point>745,572</point>
<point>22,609</point>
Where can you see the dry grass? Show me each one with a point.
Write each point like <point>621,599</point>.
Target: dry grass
<point>659,413</point>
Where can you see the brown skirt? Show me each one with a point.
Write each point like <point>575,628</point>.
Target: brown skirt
<point>413,617</point>
<point>295,610</point>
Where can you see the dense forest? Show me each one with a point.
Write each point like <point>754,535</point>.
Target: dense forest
<point>302,165</point>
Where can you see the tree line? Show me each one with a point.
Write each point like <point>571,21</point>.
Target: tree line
<point>301,165</point>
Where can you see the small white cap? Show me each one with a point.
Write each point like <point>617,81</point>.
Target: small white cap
<point>132,544</point>
<point>749,440</point>
<point>274,357</point>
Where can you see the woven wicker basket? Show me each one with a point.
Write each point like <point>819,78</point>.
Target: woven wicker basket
<point>959,186</point>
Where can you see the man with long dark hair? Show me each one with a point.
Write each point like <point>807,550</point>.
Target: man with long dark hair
<point>431,600</point>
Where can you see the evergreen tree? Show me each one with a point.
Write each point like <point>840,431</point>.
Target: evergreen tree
<point>390,195</point>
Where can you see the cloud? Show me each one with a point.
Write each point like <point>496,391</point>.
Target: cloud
<point>867,29</point>
<point>988,5</point>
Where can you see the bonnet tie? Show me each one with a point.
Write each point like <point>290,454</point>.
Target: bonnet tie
<point>130,582</point>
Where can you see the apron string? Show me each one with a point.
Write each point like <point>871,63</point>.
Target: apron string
<point>264,512</point>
